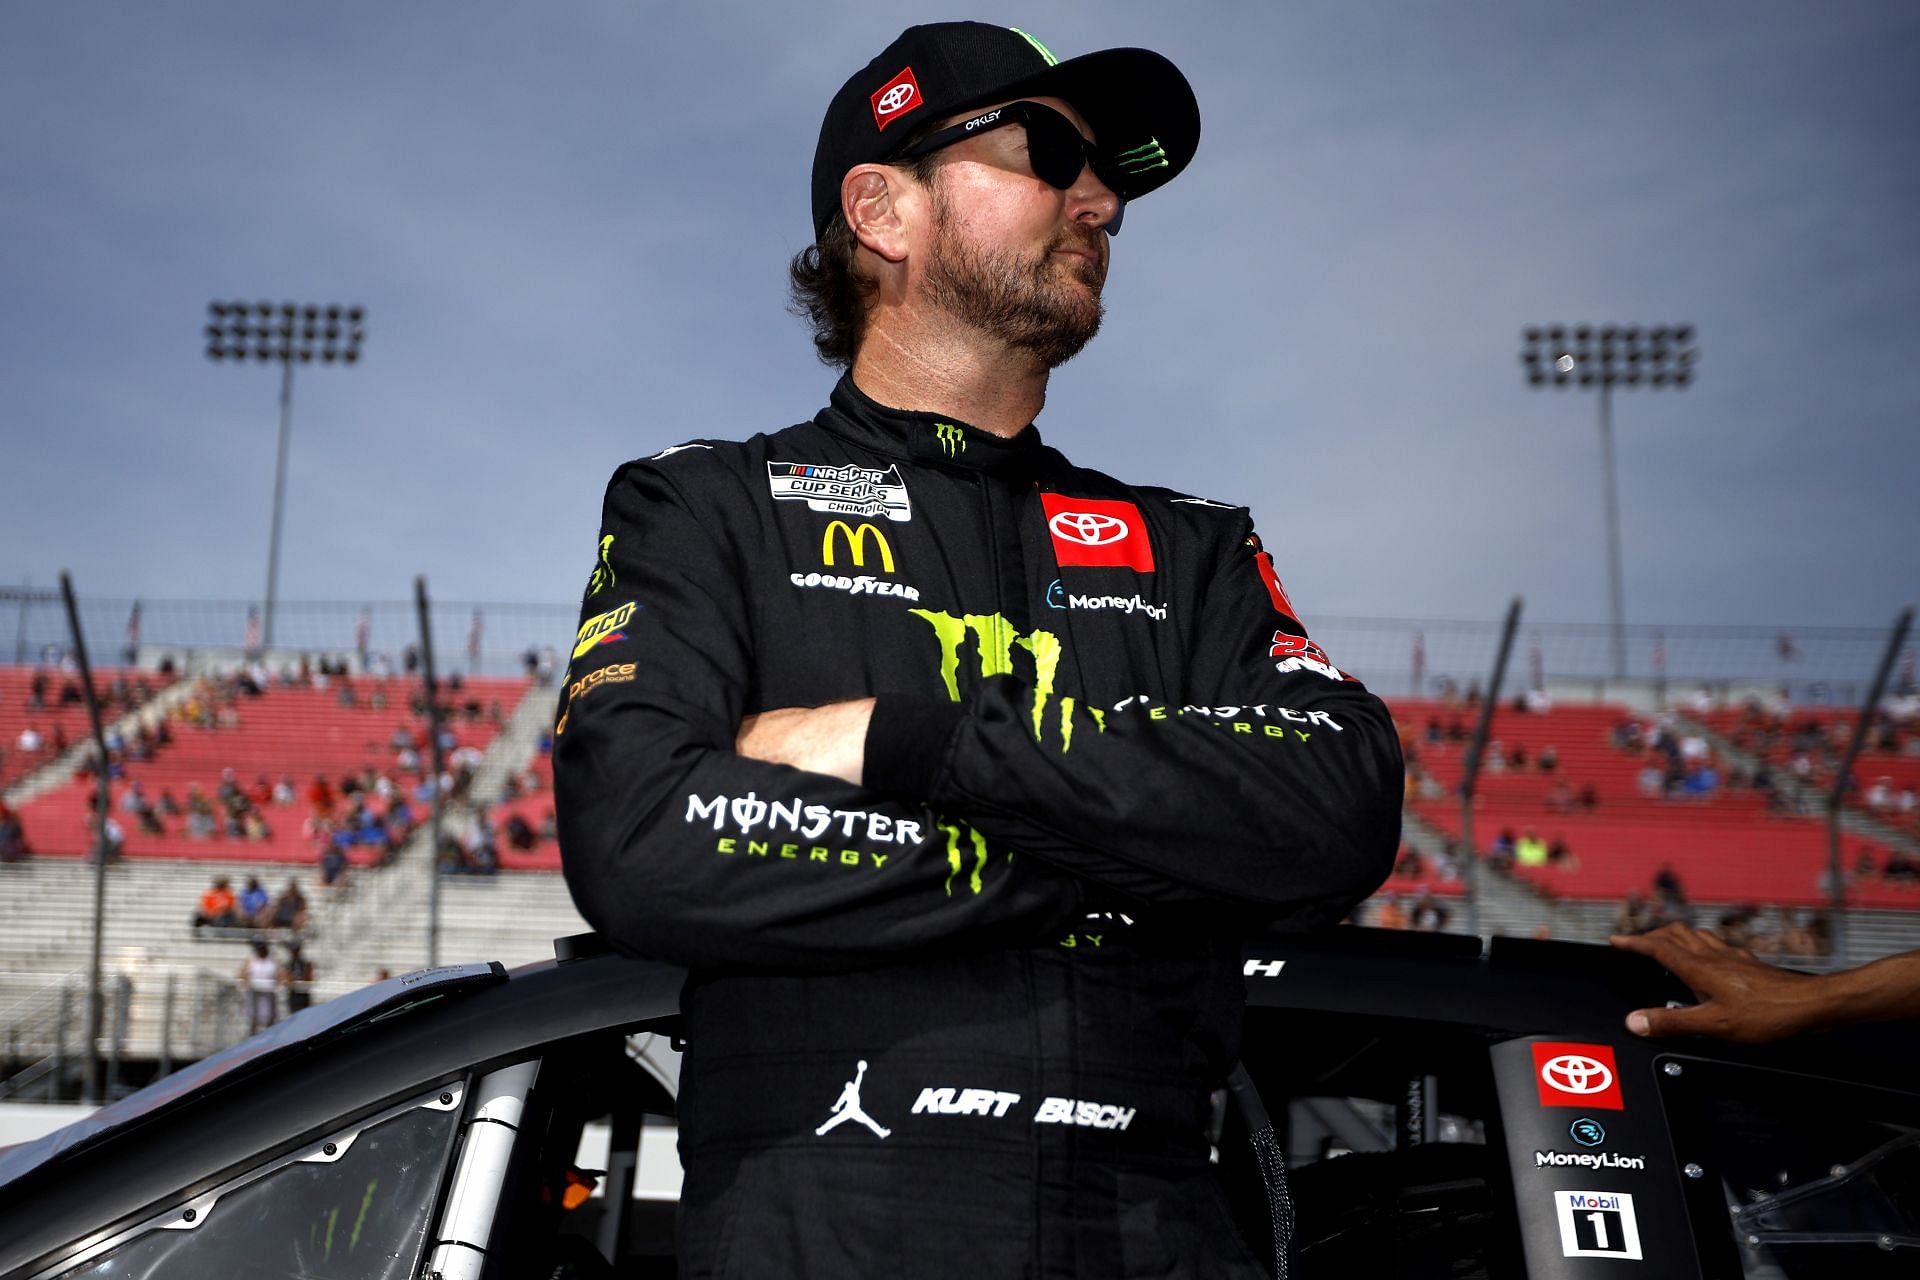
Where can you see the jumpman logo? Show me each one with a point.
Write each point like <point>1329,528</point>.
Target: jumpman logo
<point>847,1107</point>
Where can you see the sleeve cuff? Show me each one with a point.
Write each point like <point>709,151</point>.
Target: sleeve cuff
<point>907,739</point>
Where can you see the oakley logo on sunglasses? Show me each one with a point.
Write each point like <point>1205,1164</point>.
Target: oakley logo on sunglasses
<point>896,98</point>
<point>981,122</point>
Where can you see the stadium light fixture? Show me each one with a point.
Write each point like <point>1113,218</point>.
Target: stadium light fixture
<point>290,333</point>
<point>1603,357</point>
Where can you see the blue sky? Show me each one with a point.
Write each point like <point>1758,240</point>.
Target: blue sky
<point>569,224</point>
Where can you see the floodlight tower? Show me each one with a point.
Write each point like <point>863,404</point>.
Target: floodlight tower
<point>291,334</point>
<point>1607,356</point>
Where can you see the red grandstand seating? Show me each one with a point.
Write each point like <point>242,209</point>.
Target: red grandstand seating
<point>1725,847</point>
<point>299,732</point>
<point>68,720</point>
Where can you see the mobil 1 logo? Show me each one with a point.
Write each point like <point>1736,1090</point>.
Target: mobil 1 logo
<point>1597,1224</point>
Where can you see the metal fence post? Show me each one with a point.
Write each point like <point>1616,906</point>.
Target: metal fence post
<point>1836,871</point>
<point>60,1044</point>
<point>122,997</point>
<point>1471,773</point>
<point>166,1026</point>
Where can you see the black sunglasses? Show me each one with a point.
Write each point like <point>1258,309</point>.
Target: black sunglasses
<point>1055,148</point>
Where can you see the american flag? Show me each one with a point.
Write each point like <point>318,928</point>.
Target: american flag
<point>252,643</point>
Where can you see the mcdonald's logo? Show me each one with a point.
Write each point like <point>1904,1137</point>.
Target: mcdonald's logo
<point>856,544</point>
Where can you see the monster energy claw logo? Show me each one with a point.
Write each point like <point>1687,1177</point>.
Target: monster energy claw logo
<point>952,439</point>
<point>1038,48</point>
<point>995,639</point>
<point>603,575</point>
<point>1148,155</point>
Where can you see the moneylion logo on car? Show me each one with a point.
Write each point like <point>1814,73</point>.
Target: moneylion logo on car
<point>1586,1160</point>
<point>841,489</point>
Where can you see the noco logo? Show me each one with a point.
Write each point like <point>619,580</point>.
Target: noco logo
<point>1577,1075</point>
<point>856,540</point>
<point>601,627</point>
<point>896,98</point>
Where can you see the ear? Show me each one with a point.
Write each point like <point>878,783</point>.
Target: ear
<point>870,198</point>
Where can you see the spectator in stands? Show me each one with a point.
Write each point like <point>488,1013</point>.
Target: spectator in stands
<point>260,979</point>
<point>283,792</point>
<point>290,908</point>
<point>217,905</point>
<point>1588,797</point>
<point>1531,850</point>
<point>1518,756</point>
<point>299,979</point>
<point>169,805</point>
<point>1751,1002</point>
<point>520,834</point>
<point>1549,758</point>
<point>1635,914</point>
<point>29,742</point>
<point>1428,915</point>
<point>1392,915</point>
<point>1652,780</point>
<point>549,831</point>
<point>1559,797</point>
<point>13,836</point>
<point>333,862</point>
<point>1701,780</point>
<point>1408,863</point>
<point>37,692</point>
<point>115,842</point>
<point>1670,897</point>
<point>1880,796</point>
<point>1500,856</point>
<point>254,903</point>
<point>1560,856</point>
<point>1811,934</point>
<point>1737,925</point>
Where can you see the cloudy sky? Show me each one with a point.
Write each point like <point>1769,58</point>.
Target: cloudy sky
<point>569,224</point>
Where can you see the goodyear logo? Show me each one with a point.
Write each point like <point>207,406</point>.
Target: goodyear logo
<point>856,539</point>
<point>598,628</point>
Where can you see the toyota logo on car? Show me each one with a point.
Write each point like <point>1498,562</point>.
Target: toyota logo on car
<point>1087,528</point>
<point>1575,1073</point>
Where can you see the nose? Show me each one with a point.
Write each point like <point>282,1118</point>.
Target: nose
<point>1094,203</point>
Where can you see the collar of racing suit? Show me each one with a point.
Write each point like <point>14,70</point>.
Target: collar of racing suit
<point>928,438</point>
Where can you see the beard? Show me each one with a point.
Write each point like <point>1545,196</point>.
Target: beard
<point>1025,303</point>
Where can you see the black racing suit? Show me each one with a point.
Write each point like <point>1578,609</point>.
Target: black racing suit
<point>963,1019</point>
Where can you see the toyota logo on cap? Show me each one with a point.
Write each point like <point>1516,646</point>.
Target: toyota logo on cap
<point>896,98</point>
<point>1087,528</point>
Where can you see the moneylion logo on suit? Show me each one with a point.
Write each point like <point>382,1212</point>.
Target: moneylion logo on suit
<point>856,540</point>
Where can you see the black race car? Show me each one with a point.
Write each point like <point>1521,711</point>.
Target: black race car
<point>1448,1109</point>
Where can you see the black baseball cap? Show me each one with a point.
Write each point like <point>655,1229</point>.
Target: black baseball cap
<point>1141,109</point>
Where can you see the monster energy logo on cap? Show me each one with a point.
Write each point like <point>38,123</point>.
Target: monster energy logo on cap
<point>1148,155</point>
<point>1038,48</point>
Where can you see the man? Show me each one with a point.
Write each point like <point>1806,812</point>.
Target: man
<point>955,772</point>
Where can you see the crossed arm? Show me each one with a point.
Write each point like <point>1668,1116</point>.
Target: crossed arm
<point>830,739</point>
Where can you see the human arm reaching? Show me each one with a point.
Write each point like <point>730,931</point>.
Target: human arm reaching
<point>1751,1002</point>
